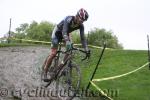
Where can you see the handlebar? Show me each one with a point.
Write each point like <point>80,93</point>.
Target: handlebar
<point>86,57</point>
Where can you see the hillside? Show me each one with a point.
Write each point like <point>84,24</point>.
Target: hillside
<point>134,86</point>
<point>20,71</point>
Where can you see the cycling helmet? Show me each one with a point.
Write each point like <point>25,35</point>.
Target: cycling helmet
<point>82,13</point>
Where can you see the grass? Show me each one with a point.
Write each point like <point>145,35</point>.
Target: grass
<point>115,62</point>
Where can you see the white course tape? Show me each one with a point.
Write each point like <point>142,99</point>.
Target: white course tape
<point>104,94</point>
<point>114,77</point>
<point>31,40</point>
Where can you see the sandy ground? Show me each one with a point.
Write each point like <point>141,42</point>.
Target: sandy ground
<point>20,69</point>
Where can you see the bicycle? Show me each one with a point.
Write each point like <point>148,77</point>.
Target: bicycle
<point>67,74</point>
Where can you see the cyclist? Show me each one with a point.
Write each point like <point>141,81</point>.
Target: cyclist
<point>62,31</point>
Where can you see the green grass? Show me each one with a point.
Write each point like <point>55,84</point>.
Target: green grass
<point>135,86</point>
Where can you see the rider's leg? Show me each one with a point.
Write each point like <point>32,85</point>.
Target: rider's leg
<point>53,52</point>
<point>50,59</point>
<point>48,63</point>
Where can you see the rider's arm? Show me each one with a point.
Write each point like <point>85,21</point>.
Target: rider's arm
<point>70,37</point>
<point>83,40</point>
<point>65,28</point>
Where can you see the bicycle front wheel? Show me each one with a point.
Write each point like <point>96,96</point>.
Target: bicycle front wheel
<point>70,78</point>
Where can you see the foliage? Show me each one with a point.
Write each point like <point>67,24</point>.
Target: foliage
<point>42,31</point>
<point>21,31</point>
<point>99,36</point>
<point>36,31</point>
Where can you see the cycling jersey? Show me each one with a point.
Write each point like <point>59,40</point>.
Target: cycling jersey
<point>65,27</point>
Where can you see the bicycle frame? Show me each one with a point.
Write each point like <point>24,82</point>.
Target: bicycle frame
<point>61,66</point>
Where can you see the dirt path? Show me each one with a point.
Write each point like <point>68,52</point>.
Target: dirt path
<point>20,74</point>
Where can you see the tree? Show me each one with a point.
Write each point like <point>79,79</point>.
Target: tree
<point>21,31</point>
<point>99,36</point>
<point>40,31</point>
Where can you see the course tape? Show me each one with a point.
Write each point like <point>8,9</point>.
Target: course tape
<point>31,40</point>
<point>50,42</point>
<point>118,76</point>
<point>104,94</point>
